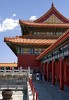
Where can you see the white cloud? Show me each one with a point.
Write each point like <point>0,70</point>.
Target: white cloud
<point>32,18</point>
<point>8,24</point>
<point>14,15</point>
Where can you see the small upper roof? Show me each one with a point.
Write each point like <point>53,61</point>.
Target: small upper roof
<point>45,25</point>
<point>53,14</point>
<point>54,45</point>
<point>50,12</point>
<point>51,20</point>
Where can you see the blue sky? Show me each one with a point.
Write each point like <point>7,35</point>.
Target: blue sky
<point>13,10</point>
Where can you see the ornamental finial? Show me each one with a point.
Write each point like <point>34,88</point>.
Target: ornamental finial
<point>52,4</point>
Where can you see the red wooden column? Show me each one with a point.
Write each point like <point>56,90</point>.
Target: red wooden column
<point>53,73</point>
<point>61,75</point>
<point>48,76</point>
<point>45,72</point>
<point>41,65</point>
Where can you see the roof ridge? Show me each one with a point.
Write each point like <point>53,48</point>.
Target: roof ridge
<point>49,11</point>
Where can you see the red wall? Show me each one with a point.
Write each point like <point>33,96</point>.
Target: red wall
<point>26,60</point>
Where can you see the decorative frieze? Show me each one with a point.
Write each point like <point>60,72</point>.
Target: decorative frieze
<point>62,52</point>
<point>29,50</point>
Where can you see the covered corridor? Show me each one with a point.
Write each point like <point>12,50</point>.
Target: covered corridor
<point>46,91</point>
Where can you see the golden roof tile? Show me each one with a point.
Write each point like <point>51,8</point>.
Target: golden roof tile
<point>8,64</point>
<point>30,41</point>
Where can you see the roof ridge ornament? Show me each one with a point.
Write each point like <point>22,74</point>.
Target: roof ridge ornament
<point>52,5</point>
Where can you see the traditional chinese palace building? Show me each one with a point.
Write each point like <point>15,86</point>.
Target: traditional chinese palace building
<point>44,46</point>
